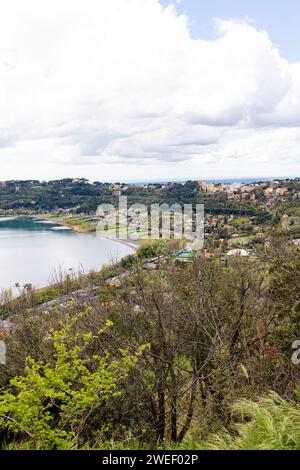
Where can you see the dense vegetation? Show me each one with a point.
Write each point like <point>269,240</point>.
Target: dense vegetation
<point>82,196</point>
<point>271,423</point>
<point>162,359</point>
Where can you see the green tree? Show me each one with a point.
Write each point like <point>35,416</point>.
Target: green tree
<point>51,404</point>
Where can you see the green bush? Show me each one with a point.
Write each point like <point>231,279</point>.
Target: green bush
<point>49,407</point>
<point>151,248</point>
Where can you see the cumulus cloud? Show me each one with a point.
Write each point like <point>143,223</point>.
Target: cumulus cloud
<point>85,86</point>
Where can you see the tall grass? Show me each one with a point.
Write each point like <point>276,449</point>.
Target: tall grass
<point>271,423</point>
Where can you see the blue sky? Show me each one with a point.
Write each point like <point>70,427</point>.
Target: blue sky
<point>280,18</point>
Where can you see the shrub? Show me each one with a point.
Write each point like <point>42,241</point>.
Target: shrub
<point>49,407</point>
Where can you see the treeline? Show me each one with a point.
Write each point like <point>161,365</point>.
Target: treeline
<point>159,358</point>
<point>84,197</point>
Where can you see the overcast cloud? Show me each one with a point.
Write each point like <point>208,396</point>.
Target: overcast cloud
<point>118,89</point>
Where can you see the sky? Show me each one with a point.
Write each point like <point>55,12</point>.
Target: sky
<point>280,18</point>
<point>149,89</point>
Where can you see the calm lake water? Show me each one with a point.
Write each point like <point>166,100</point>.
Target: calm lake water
<point>31,250</point>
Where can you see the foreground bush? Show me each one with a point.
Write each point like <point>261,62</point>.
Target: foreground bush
<point>49,407</point>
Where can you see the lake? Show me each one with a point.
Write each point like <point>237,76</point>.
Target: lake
<point>31,250</point>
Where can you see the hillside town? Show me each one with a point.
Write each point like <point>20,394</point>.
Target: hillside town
<point>238,216</point>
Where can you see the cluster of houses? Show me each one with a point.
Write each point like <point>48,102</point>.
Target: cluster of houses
<point>180,258</point>
<point>256,191</point>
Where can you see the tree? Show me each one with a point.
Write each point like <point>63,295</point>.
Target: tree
<point>51,404</point>
<point>199,321</point>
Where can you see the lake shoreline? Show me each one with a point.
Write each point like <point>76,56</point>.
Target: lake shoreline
<point>56,221</point>
<point>25,239</point>
<point>78,229</point>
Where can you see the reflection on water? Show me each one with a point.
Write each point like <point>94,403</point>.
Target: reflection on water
<point>31,250</point>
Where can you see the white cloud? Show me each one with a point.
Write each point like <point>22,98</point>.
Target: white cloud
<point>102,88</point>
